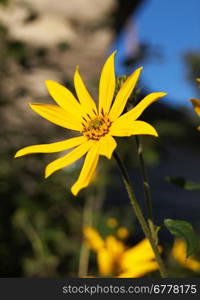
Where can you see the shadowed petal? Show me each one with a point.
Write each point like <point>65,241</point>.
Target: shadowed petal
<point>123,94</point>
<point>87,171</point>
<point>53,147</point>
<point>56,115</point>
<point>107,84</point>
<point>136,127</point>
<point>67,159</point>
<point>64,98</point>
<point>107,145</point>
<point>87,103</point>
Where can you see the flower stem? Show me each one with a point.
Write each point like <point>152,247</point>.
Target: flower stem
<point>139,215</point>
<point>85,252</point>
<point>147,192</point>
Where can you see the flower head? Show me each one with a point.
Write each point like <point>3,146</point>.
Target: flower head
<point>115,259</point>
<point>96,125</point>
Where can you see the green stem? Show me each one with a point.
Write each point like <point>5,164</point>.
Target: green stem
<point>139,215</point>
<point>85,252</point>
<point>147,192</point>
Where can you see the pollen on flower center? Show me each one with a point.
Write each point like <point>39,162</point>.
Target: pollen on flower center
<point>96,127</point>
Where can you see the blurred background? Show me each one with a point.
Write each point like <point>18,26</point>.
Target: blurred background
<point>41,222</point>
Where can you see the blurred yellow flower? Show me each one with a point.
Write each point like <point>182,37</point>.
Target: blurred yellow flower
<point>97,125</point>
<point>93,239</point>
<point>114,259</point>
<point>179,253</point>
<point>122,233</point>
<point>111,222</point>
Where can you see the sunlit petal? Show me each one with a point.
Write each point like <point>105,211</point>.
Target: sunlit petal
<point>135,112</point>
<point>87,171</point>
<point>142,252</point>
<point>56,115</point>
<point>53,147</point>
<point>133,128</point>
<point>107,145</point>
<point>123,94</point>
<point>64,98</point>
<point>107,84</point>
<point>87,103</point>
<point>68,159</point>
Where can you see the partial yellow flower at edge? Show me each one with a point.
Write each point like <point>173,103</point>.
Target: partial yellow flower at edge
<point>97,126</point>
<point>179,253</point>
<point>196,105</point>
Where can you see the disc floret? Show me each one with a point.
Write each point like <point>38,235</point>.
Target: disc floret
<point>96,127</point>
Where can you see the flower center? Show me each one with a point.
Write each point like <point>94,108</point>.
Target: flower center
<point>95,128</point>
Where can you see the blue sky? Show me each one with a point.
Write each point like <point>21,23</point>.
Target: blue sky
<point>173,26</point>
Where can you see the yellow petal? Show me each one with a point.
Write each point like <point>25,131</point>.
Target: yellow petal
<point>140,252</point>
<point>123,94</point>
<point>105,262</point>
<point>107,84</point>
<point>56,115</point>
<point>87,171</point>
<point>64,98</point>
<point>135,257</point>
<point>84,97</point>
<point>139,270</point>
<point>196,105</point>
<point>115,247</point>
<point>133,128</point>
<point>135,112</point>
<point>68,159</point>
<point>93,239</point>
<point>107,145</point>
<point>179,253</point>
<point>198,80</point>
<point>53,147</point>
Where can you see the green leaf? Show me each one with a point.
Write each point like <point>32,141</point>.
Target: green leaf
<point>183,230</point>
<point>184,183</point>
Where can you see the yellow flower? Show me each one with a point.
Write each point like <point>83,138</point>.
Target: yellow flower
<point>114,259</point>
<point>179,253</point>
<point>97,125</point>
